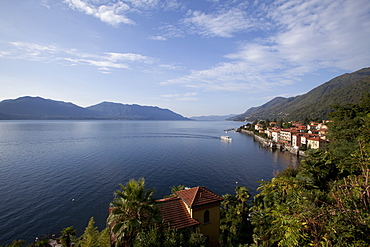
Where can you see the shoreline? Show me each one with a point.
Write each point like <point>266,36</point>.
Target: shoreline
<point>273,146</point>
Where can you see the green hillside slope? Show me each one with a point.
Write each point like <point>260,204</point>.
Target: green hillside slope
<point>316,104</point>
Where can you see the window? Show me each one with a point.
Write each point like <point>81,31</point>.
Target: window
<point>206,217</point>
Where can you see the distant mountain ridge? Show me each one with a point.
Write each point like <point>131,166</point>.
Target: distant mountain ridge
<point>133,112</point>
<point>39,108</point>
<point>316,104</point>
<point>212,117</point>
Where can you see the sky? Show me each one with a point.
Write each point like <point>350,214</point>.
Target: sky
<point>194,57</point>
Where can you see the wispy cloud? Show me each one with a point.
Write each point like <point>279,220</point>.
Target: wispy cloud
<point>310,35</point>
<point>45,3</point>
<point>116,12</point>
<point>105,62</point>
<point>222,24</point>
<point>168,31</point>
<point>224,19</point>
<point>191,96</point>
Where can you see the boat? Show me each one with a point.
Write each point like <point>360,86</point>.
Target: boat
<point>225,138</point>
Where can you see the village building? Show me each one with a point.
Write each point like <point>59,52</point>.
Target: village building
<point>275,135</point>
<point>258,127</point>
<point>316,143</point>
<point>297,139</point>
<point>298,135</point>
<point>194,207</point>
<point>286,135</point>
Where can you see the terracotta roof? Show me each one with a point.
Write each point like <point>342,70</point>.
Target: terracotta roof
<point>316,139</point>
<point>198,196</point>
<point>175,213</point>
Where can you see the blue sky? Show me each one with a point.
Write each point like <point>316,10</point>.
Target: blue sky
<point>194,57</point>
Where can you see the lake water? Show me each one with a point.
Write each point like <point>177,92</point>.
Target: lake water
<point>46,164</point>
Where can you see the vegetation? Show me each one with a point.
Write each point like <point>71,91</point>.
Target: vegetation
<point>316,104</point>
<point>67,236</point>
<point>158,236</point>
<point>92,237</point>
<point>235,225</point>
<point>323,202</point>
<point>135,220</point>
<point>133,210</point>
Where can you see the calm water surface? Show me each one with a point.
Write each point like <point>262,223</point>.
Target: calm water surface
<point>46,164</point>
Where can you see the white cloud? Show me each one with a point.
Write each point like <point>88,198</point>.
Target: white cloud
<point>129,57</point>
<point>113,14</point>
<point>158,38</point>
<point>71,57</point>
<point>310,35</point>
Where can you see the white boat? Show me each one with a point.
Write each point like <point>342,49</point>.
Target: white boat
<point>225,138</point>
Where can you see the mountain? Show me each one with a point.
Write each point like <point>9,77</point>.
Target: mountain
<point>212,117</point>
<point>133,112</point>
<point>316,104</point>
<point>38,108</point>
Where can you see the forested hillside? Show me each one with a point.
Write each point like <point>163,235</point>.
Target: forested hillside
<point>316,104</point>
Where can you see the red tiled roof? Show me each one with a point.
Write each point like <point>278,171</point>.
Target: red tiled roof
<point>316,139</point>
<point>175,213</point>
<point>198,196</point>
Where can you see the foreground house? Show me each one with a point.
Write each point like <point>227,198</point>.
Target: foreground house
<point>194,207</point>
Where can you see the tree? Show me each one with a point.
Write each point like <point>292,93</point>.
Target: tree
<point>15,243</point>
<point>347,127</point>
<point>235,224</point>
<point>92,237</point>
<point>287,125</point>
<point>40,243</point>
<point>175,189</point>
<point>267,122</point>
<point>104,238</point>
<point>159,236</point>
<point>242,194</point>
<point>134,210</point>
<point>67,236</point>
<point>280,123</point>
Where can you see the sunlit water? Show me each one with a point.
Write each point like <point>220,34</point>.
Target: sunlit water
<point>54,174</point>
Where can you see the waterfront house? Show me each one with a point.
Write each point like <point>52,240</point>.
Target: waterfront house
<point>194,207</point>
<point>258,127</point>
<point>297,139</point>
<point>286,135</point>
<point>275,135</point>
<point>316,143</point>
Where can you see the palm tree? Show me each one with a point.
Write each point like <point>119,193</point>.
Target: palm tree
<point>174,190</point>
<point>133,210</point>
